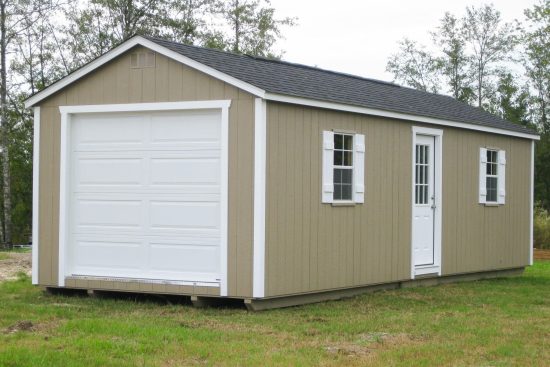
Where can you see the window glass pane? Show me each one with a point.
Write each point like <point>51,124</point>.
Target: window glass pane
<point>346,192</point>
<point>338,141</point>
<point>337,192</point>
<point>338,159</point>
<point>346,176</point>
<point>347,159</point>
<point>425,195</point>
<point>337,175</point>
<point>348,142</point>
<point>425,181</point>
<point>492,184</point>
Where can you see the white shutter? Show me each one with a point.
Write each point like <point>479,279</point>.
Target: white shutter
<point>328,170</point>
<point>359,168</point>
<point>501,176</point>
<point>482,175</point>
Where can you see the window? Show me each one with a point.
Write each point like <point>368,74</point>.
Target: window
<point>343,173</point>
<point>421,174</point>
<point>343,166</point>
<point>492,179</point>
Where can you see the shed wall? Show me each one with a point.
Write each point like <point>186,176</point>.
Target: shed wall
<point>168,81</point>
<point>312,246</point>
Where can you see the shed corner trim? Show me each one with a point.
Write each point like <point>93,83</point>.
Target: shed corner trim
<point>260,157</point>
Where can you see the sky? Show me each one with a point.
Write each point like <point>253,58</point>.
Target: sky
<point>358,36</point>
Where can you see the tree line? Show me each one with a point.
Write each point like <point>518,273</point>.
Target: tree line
<point>43,40</point>
<point>501,67</point>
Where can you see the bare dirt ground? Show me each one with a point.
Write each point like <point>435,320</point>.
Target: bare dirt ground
<point>15,263</point>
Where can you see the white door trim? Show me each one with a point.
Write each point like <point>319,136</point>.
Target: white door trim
<point>260,142</point>
<point>67,111</point>
<point>438,186</point>
<point>35,193</point>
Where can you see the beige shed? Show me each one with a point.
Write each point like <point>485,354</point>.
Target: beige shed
<point>166,168</point>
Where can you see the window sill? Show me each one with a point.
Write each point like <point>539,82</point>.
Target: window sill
<point>492,204</point>
<point>343,203</point>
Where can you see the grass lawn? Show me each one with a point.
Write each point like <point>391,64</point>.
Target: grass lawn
<point>498,322</point>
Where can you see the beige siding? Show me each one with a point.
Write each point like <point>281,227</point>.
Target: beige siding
<point>168,81</point>
<point>312,246</point>
<point>478,237</point>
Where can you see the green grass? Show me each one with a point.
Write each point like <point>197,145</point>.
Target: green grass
<point>499,322</point>
<point>18,250</point>
<point>4,255</point>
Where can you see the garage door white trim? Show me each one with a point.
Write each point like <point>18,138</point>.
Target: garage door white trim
<point>68,111</point>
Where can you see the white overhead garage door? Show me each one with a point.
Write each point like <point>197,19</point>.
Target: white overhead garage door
<point>144,196</point>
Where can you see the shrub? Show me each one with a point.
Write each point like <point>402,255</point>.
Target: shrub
<point>541,231</point>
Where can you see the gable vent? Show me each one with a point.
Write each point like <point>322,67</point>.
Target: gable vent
<point>140,60</point>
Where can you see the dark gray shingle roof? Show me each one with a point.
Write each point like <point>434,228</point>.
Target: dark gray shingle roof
<point>296,80</point>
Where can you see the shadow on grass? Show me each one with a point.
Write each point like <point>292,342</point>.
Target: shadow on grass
<point>157,299</point>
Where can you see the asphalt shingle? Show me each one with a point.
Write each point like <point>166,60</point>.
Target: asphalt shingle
<point>297,80</point>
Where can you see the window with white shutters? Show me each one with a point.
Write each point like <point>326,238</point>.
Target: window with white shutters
<point>343,167</point>
<point>492,179</point>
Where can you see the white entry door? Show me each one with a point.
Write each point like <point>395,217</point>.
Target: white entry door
<point>145,195</point>
<point>424,201</point>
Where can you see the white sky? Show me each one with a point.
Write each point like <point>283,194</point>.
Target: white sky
<point>358,36</point>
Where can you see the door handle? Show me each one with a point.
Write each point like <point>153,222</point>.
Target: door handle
<point>433,203</point>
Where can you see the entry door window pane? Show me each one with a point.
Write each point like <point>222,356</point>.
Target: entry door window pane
<point>343,167</point>
<point>422,179</point>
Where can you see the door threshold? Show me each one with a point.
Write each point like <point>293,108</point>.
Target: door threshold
<point>427,270</point>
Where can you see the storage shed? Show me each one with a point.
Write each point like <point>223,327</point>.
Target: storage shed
<point>167,168</point>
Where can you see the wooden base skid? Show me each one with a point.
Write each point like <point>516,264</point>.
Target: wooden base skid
<point>260,304</point>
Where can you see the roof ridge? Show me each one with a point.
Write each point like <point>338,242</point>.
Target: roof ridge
<point>316,68</point>
<point>284,62</point>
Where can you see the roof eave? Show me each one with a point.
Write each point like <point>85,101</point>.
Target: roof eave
<point>396,115</point>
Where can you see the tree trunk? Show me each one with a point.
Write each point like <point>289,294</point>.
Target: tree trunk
<point>4,128</point>
<point>237,30</point>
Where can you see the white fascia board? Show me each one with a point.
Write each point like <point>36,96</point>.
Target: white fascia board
<point>155,106</point>
<point>396,115</point>
<point>260,143</point>
<point>135,41</point>
<point>35,194</point>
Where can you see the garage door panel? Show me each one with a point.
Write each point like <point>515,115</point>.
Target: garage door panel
<point>97,131</point>
<point>182,171</point>
<point>108,214</point>
<point>193,258</point>
<point>193,128</point>
<point>184,215</point>
<point>108,171</point>
<point>108,254</point>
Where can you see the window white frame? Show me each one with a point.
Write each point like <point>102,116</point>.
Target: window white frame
<point>358,168</point>
<point>500,176</point>
<point>68,111</point>
<point>438,192</point>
